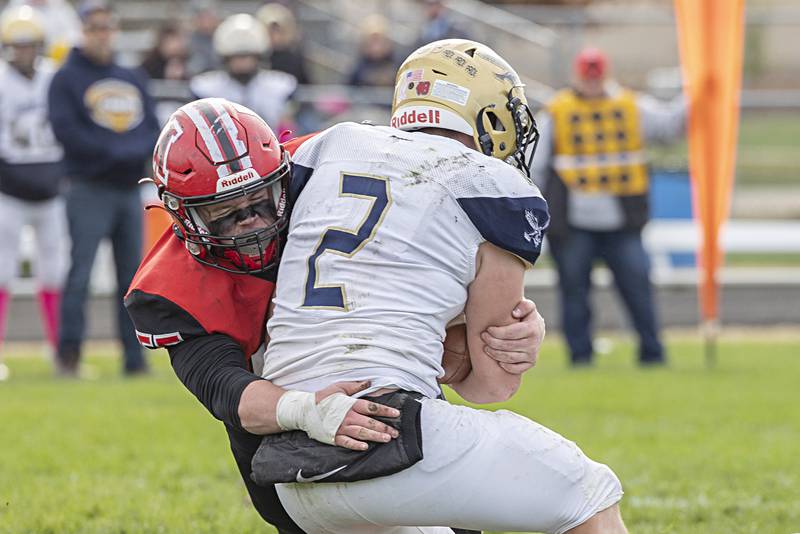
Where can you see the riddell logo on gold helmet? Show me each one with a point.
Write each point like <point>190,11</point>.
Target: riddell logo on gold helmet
<point>414,116</point>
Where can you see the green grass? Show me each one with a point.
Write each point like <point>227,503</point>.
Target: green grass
<point>698,450</point>
<point>778,259</point>
<point>766,150</point>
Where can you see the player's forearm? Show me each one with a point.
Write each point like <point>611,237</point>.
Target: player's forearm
<point>214,369</point>
<point>257,407</point>
<point>483,389</point>
<point>496,289</point>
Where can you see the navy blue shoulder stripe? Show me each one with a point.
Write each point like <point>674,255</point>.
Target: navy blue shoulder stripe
<point>513,224</point>
<point>300,177</point>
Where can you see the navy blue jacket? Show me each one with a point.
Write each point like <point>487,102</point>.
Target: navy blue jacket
<point>104,118</point>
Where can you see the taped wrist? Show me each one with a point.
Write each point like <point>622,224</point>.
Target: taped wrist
<point>298,410</point>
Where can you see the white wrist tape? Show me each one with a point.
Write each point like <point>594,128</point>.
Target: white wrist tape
<point>297,410</point>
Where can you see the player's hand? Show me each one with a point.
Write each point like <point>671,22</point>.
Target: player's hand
<point>358,425</point>
<point>516,346</point>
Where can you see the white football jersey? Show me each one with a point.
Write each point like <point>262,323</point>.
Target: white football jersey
<point>25,133</point>
<point>382,243</point>
<point>267,93</point>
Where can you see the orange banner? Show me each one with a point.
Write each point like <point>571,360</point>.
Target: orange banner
<point>155,222</point>
<point>711,39</point>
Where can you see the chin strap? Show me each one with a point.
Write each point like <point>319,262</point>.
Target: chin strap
<point>484,139</point>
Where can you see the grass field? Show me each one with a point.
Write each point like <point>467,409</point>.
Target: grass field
<point>698,450</point>
<point>766,153</point>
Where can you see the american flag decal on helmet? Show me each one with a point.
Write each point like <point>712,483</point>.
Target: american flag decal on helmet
<point>155,341</point>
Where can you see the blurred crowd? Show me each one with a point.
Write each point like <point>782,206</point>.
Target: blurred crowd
<point>77,129</point>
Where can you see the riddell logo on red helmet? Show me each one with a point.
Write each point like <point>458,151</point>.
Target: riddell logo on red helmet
<point>416,117</point>
<point>237,179</point>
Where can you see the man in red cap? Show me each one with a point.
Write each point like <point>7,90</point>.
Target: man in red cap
<point>591,166</point>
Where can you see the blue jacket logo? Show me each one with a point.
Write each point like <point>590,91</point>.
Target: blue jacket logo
<point>114,104</point>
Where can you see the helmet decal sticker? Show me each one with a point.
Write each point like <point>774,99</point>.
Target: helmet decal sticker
<point>415,75</point>
<point>451,92</point>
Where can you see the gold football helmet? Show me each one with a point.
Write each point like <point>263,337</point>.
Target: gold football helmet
<point>465,86</point>
<point>21,25</point>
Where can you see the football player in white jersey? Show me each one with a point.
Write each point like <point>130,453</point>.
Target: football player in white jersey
<point>395,232</point>
<point>30,166</point>
<point>241,40</point>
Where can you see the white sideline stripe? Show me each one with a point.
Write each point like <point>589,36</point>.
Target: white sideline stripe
<point>683,235</point>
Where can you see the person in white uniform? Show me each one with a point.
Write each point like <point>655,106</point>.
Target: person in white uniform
<point>395,232</point>
<point>31,171</point>
<point>62,26</point>
<point>241,41</point>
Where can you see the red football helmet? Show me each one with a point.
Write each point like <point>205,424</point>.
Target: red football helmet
<point>222,175</point>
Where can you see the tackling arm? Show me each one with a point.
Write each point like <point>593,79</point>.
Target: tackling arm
<point>213,368</point>
<point>497,288</point>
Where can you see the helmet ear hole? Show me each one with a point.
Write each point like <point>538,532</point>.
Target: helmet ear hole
<point>470,52</point>
<point>495,122</point>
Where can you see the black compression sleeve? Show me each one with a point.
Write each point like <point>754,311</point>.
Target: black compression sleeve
<point>214,369</point>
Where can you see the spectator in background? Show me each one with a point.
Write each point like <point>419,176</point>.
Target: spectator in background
<point>241,41</point>
<point>167,60</point>
<point>285,53</point>
<point>62,27</point>
<point>205,20</point>
<point>103,116</point>
<point>438,24</point>
<point>31,168</point>
<point>376,65</point>
<point>591,166</point>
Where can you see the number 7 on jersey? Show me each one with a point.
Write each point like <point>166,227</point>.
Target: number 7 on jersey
<point>345,242</point>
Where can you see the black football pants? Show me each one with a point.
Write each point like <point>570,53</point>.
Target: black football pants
<point>265,498</point>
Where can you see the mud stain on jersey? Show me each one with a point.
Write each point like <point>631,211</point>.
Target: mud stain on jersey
<point>416,178</point>
<point>354,347</point>
<point>446,165</point>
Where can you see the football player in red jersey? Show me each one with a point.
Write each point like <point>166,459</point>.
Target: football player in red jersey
<point>223,177</point>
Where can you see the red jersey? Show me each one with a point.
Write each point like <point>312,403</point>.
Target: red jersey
<point>173,297</point>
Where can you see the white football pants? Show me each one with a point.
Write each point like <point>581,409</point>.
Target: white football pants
<point>49,222</point>
<point>481,470</point>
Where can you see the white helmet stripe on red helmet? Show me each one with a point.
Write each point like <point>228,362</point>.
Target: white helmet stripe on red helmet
<point>233,131</point>
<point>221,134</point>
<point>208,138</point>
